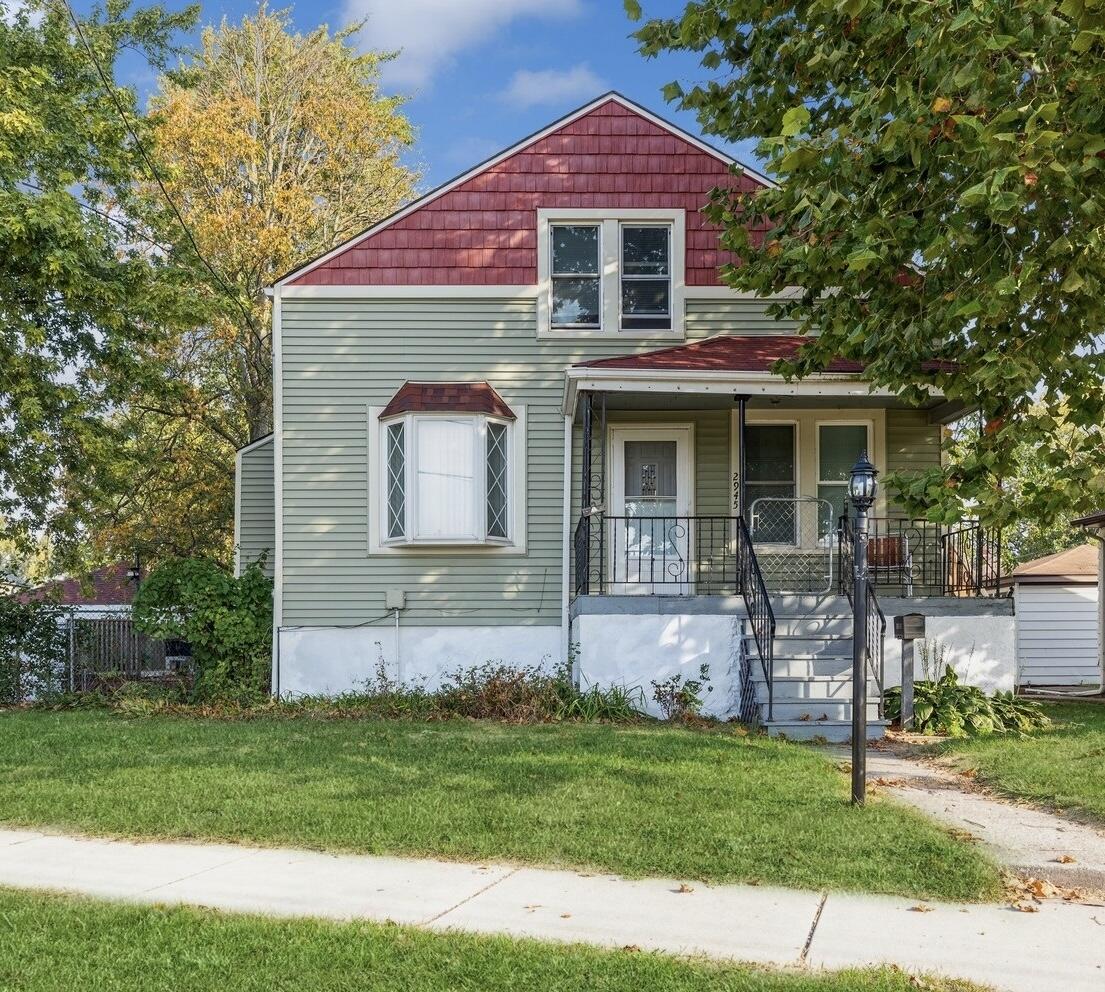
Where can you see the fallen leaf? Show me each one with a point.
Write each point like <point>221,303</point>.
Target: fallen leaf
<point>920,909</point>
<point>941,105</point>
<point>969,772</point>
<point>532,907</point>
<point>632,948</point>
<point>891,782</point>
<point>1026,907</point>
<point>684,887</point>
<point>1065,859</point>
<point>565,916</point>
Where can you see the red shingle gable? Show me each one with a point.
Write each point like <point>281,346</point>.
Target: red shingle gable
<point>447,397</point>
<point>484,231</point>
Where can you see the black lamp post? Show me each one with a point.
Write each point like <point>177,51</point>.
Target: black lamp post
<point>862,486</point>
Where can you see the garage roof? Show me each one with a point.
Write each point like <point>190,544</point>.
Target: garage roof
<point>1071,566</point>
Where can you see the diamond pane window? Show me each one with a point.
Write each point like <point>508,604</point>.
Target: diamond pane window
<point>396,481</point>
<point>497,481</point>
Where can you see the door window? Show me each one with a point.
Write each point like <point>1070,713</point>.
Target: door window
<point>838,447</point>
<point>771,477</point>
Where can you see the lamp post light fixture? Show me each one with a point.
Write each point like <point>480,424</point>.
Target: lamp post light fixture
<point>862,487</point>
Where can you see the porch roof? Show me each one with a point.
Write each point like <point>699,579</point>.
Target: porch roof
<point>729,353</point>
<point>726,365</point>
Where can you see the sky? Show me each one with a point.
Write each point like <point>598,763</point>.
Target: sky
<point>482,74</point>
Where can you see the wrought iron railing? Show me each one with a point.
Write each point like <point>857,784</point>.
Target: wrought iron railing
<point>921,558</point>
<point>876,620</point>
<point>758,604</point>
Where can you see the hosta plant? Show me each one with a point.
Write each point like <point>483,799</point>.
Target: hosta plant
<point>950,708</point>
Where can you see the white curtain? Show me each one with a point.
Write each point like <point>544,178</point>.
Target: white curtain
<point>446,477</point>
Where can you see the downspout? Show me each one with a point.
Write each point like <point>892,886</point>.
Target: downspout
<point>565,551</point>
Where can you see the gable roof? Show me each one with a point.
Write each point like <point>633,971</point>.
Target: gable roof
<point>447,397</point>
<point>1073,565</point>
<point>107,586</point>
<point>611,97</point>
<point>728,353</point>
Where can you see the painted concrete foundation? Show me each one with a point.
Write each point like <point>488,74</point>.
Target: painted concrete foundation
<point>632,651</point>
<point>327,661</point>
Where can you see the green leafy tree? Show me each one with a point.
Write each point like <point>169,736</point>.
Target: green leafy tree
<point>226,620</point>
<point>942,168</point>
<point>82,291</point>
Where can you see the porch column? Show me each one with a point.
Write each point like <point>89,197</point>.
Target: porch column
<point>583,556</point>
<point>742,492</point>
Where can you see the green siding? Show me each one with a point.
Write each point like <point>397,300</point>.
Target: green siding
<point>256,517</point>
<point>705,318</point>
<point>340,356</point>
<point>912,443</point>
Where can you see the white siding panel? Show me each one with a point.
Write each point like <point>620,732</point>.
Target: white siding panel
<point>1057,634</point>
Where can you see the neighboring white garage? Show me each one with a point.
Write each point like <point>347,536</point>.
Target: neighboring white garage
<point>1058,620</point>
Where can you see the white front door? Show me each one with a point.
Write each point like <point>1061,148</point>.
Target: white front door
<point>649,529</point>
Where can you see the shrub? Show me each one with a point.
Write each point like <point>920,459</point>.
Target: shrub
<point>226,620</point>
<point>952,709</point>
<point>680,698</point>
<point>33,649</point>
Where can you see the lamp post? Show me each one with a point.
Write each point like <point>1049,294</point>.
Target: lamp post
<point>862,486</point>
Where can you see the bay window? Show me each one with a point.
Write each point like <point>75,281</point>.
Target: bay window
<point>446,479</point>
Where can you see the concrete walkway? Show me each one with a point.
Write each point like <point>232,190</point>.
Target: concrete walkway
<point>1030,842</point>
<point>1061,947</point>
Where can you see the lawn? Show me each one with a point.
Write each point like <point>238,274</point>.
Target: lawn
<point>66,944</point>
<point>638,800</point>
<point>1063,767</point>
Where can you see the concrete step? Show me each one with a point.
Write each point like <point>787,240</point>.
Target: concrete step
<point>813,626</point>
<point>833,731</point>
<point>815,710</point>
<point>811,666</point>
<point>817,687</point>
<point>806,645</point>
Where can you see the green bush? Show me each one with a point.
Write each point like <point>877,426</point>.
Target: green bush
<point>33,649</point>
<point>226,620</point>
<point>949,708</point>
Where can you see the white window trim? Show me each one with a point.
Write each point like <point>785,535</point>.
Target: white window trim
<point>379,544</point>
<point>796,453</point>
<point>601,275</point>
<point>611,220</point>
<point>808,423</point>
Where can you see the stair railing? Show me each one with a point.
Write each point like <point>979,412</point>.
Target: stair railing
<point>758,604</point>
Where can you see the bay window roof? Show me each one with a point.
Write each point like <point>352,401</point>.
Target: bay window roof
<point>447,397</point>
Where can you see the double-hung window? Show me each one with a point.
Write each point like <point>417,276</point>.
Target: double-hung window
<point>577,276</point>
<point>772,481</point>
<point>646,277</point>
<point>610,271</point>
<point>446,479</point>
<point>838,447</point>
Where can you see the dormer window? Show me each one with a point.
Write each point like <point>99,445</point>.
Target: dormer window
<point>616,271</point>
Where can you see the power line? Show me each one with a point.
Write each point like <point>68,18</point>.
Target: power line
<point>113,96</point>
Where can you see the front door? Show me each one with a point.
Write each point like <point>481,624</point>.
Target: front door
<point>650,525</point>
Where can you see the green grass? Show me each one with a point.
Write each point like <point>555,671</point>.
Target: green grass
<point>636,800</point>
<point>1063,767</point>
<point>65,944</point>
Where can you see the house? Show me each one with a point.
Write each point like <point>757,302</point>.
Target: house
<point>103,592</point>
<point>1058,618</point>
<point>522,419</point>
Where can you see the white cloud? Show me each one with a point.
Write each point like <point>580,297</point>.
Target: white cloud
<point>10,8</point>
<point>528,88</point>
<point>431,33</point>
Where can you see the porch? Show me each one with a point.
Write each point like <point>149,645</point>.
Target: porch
<point>705,487</point>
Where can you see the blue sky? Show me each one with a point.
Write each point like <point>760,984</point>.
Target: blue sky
<point>483,73</point>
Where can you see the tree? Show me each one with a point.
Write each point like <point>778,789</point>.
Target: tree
<point>942,167</point>
<point>276,146</point>
<point>81,293</point>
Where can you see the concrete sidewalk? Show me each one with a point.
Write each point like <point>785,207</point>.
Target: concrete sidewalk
<point>1061,947</point>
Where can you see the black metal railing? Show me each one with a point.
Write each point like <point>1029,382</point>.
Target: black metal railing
<point>758,604</point>
<point>876,620</point>
<point>921,558</point>
<point>677,555</point>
